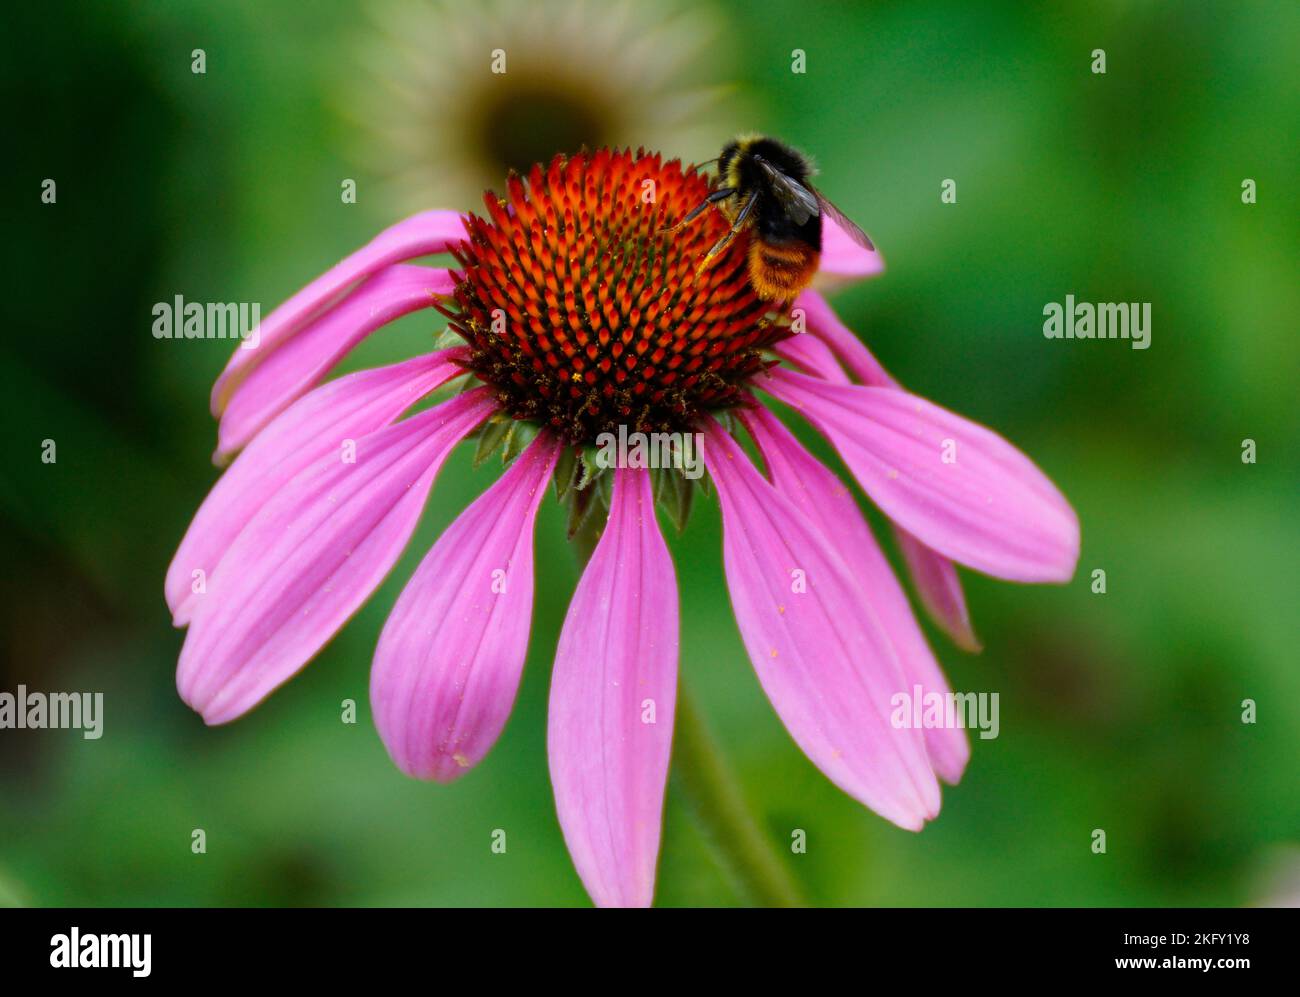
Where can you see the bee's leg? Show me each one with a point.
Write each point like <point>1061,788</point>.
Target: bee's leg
<point>721,194</point>
<point>736,226</point>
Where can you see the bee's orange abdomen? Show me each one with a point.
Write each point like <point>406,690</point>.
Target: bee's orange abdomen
<point>779,272</point>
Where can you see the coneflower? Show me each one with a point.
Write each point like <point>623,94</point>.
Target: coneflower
<point>454,93</point>
<point>576,315</point>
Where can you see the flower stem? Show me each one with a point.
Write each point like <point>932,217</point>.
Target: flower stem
<point>712,790</point>
<point>714,794</point>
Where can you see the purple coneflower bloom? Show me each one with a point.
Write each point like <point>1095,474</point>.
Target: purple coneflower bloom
<point>578,317</point>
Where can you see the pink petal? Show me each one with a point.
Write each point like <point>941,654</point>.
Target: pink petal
<point>799,476</point>
<point>311,557</point>
<point>823,323</point>
<point>316,425</point>
<point>420,235</point>
<point>936,581</point>
<point>807,351</point>
<point>844,257</point>
<point>302,362</point>
<point>822,655</point>
<point>934,575</point>
<point>617,662</point>
<point>448,662</point>
<point>990,508</point>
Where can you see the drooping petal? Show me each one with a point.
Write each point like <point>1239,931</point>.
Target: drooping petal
<point>936,581</point>
<point>813,488</point>
<point>821,652</point>
<point>843,257</point>
<point>302,361</point>
<point>613,694</point>
<point>953,484</point>
<point>318,424</point>
<point>311,557</point>
<point>449,659</point>
<point>823,323</point>
<point>811,354</point>
<point>420,235</point>
<point>934,575</point>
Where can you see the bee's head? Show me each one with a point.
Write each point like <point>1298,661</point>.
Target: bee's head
<point>784,158</point>
<point>727,159</point>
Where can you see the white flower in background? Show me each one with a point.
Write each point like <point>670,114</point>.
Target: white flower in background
<point>443,122</point>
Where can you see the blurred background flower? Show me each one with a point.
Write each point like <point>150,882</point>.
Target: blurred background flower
<point>1278,879</point>
<point>1119,711</point>
<point>461,91</point>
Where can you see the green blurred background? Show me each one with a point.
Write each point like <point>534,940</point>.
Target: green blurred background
<point>1119,711</point>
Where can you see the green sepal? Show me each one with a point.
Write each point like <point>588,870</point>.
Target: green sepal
<point>589,469</point>
<point>521,434</point>
<point>492,436</point>
<point>566,469</point>
<point>605,486</point>
<point>448,338</point>
<point>658,482</point>
<point>702,482</point>
<point>581,504</point>
<point>678,495</point>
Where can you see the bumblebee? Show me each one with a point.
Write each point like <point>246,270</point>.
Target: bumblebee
<point>762,185</point>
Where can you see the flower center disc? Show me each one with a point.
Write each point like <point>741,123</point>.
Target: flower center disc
<point>584,315</point>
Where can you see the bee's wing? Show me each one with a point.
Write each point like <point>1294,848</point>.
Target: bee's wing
<point>795,199</point>
<point>847,224</point>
